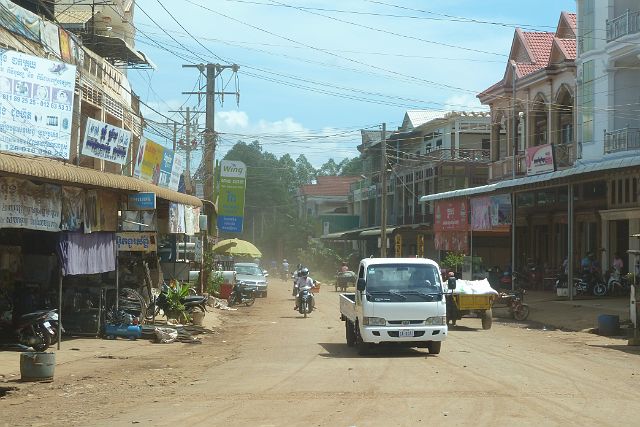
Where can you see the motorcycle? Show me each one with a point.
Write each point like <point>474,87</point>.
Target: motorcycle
<point>241,296</point>
<point>616,285</point>
<point>191,303</point>
<point>344,279</point>
<point>38,329</point>
<point>306,302</point>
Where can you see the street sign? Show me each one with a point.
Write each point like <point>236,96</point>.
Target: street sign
<point>141,201</point>
<point>233,176</point>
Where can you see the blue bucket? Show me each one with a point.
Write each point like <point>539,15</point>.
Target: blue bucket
<point>608,325</point>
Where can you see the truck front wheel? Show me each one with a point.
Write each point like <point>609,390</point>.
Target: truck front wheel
<point>363,347</point>
<point>487,319</point>
<point>434,347</point>
<point>350,333</point>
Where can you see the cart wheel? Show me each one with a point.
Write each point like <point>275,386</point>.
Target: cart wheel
<point>521,312</point>
<point>487,319</point>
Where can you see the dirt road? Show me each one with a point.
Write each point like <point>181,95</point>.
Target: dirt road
<point>270,367</point>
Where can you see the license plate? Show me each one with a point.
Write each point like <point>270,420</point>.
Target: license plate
<point>404,333</point>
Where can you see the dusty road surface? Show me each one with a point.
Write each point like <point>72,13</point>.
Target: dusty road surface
<point>270,367</point>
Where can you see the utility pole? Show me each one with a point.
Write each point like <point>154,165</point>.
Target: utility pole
<point>211,72</point>
<point>383,201</point>
<point>188,144</point>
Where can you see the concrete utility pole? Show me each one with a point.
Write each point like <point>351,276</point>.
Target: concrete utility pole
<point>211,72</point>
<point>188,143</point>
<point>383,201</point>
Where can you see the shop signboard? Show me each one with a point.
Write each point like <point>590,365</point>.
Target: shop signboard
<point>141,201</point>
<point>106,142</point>
<point>540,159</point>
<point>233,175</point>
<point>500,210</point>
<point>176,171</point>
<point>151,161</point>
<point>480,213</point>
<point>19,20</point>
<point>24,204</point>
<point>165,168</point>
<point>451,241</point>
<point>36,105</point>
<point>451,215</point>
<point>136,242</point>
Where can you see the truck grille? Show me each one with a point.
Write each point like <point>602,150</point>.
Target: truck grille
<point>403,322</point>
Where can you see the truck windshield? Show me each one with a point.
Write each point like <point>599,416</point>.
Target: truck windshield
<point>404,279</point>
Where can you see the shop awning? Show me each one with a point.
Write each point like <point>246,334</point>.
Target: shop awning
<point>58,172</point>
<point>376,232</point>
<point>552,178</point>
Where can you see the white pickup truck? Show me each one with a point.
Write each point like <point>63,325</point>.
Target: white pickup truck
<point>397,300</point>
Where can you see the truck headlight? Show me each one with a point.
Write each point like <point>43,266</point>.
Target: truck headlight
<point>436,321</point>
<point>374,321</point>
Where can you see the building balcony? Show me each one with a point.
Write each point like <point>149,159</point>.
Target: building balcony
<point>627,23</point>
<point>503,168</point>
<point>447,154</point>
<point>625,139</point>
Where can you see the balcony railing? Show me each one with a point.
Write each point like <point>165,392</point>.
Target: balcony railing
<point>502,169</point>
<point>625,139</point>
<point>627,23</point>
<point>455,154</point>
<point>565,155</point>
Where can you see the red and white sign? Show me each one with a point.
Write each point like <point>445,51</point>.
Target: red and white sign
<point>451,215</point>
<point>540,159</point>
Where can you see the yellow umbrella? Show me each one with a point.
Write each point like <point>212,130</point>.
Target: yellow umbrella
<point>236,247</point>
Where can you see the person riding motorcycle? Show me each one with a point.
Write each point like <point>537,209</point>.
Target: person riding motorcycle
<point>303,282</point>
<point>344,267</point>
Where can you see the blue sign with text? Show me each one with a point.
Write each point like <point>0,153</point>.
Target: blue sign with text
<point>141,201</point>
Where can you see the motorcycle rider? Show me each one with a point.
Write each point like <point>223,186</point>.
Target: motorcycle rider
<point>303,282</point>
<point>344,267</point>
<point>285,269</point>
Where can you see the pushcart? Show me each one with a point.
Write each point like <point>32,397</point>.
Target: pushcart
<point>459,305</point>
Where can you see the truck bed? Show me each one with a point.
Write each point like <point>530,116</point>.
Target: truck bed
<point>348,306</point>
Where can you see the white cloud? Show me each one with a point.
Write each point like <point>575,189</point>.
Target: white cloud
<point>464,102</point>
<point>234,119</point>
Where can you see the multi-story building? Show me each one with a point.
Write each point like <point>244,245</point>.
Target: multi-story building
<point>431,152</point>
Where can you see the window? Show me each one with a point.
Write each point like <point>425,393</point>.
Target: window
<point>486,143</point>
<point>525,200</point>
<point>586,26</point>
<point>587,98</point>
<point>566,134</point>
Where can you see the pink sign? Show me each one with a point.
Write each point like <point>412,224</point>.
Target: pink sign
<point>451,241</point>
<point>480,215</point>
<point>540,159</point>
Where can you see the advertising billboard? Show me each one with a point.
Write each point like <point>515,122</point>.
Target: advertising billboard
<point>106,142</point>
<point>233,175</point>
<point>36,105</point>
<point>540,159</point>
<point>451,215</point>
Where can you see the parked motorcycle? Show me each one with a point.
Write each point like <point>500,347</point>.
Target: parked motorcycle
<point>37,329</point>
<point>239,295</point>
<point>616,285</point>
<point>191,303</point>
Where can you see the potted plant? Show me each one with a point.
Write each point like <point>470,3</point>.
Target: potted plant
<point>176,310</point>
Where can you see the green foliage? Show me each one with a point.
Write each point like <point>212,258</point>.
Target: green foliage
<point>214,283</point>
<point>177,291</point>
<point>452,260</point>
<point>322,261</point>
<point>351,167</point>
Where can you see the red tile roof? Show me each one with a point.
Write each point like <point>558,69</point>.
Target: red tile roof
<point>538,47</point>
<point>329,186</point>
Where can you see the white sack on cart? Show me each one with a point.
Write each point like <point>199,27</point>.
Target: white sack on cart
<point>476,287</point>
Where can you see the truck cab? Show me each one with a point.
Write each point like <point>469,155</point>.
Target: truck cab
<point>397,300</point>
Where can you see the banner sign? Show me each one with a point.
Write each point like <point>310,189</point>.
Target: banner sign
<point>136,242</point>
<point>176,218</point>
<point>27,205</point>
<point>176,171</point>
<point>451,215</point>
<point>500,210</point>
<point>36,105</point>
<point>151,161</point>
<point>480,213</point>
<point>233,177</point>
<point>165,168</point>
<point>452,241</point>
<point>106,142</point>
<point>540,159</point>
<point>19,20</point>
<point>141,201</point>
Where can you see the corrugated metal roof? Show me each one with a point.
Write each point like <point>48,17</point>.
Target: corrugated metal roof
<point>67,174</point>
<point>80,14</point>
<point>620,163</point>
<point>419,117</point>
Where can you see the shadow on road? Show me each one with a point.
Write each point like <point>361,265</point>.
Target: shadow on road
<point>624,348</point>
<point>458,328</point>
<point>342,351</point>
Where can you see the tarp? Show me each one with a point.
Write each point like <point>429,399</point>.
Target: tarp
<point>87,253</point>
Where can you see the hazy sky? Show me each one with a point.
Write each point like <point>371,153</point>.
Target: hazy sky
<point>313,73</point>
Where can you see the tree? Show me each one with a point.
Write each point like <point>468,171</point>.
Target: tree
<point>305,173</point>
<point>351,167</point>
<point>329,168</point>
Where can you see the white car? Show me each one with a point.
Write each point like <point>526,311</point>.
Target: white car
<point>252,277</point>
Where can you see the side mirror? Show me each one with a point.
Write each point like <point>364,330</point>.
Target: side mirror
<point>451,283</point>
<point>361,284</point>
